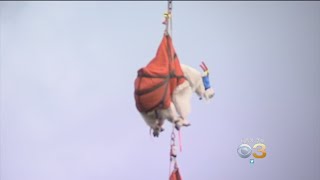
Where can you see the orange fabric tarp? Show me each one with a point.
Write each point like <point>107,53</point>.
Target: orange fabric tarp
<point>155,82</point>
<point>175,175</point>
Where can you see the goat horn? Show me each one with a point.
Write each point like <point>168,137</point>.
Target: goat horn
<point>205,66</point>
<point>202,67</point>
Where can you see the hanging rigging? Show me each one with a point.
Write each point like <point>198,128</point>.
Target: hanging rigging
<point>163,90</point>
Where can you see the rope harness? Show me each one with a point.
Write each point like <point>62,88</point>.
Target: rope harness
<point>173,175</point>
<point>166,79</point>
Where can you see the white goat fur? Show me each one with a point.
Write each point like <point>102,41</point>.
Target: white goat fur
<point>180,106</point>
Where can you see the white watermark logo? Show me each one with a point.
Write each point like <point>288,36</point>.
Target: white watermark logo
<point>252,146</point>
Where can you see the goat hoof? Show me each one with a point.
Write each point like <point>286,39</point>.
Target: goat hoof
<point>186,124</point>
<point>155,133</point>
<point>177,127</point>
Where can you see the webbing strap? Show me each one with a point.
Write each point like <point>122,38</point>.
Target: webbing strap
<point>146,91</point>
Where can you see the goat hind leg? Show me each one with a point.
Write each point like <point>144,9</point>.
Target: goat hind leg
<point>153,122</point>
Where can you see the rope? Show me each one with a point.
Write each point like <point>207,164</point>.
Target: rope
<point>173,153</point>
<point>168,20</point>
<point>170,17</point>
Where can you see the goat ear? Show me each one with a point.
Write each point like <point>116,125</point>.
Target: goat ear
<point>205,73</point>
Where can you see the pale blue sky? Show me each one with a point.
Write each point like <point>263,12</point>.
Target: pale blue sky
<point>67,74</point>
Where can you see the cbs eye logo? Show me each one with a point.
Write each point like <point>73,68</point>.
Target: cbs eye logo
<point>244,150</point>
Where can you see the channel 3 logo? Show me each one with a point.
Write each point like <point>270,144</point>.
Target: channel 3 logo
<point>245,150</point>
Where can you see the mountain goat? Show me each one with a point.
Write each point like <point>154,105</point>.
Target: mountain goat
<point>180,106</point>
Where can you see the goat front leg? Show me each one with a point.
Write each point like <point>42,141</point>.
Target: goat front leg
<point>182,101</point>
<point>171,115</point>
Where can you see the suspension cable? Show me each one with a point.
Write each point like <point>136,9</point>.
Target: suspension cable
<point>168,19</point>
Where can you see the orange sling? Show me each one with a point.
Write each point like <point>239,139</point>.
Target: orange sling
<point>175,175</point>
<point>156,82</point>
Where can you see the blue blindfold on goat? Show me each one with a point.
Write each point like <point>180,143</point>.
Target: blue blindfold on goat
<point>206,82</point>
